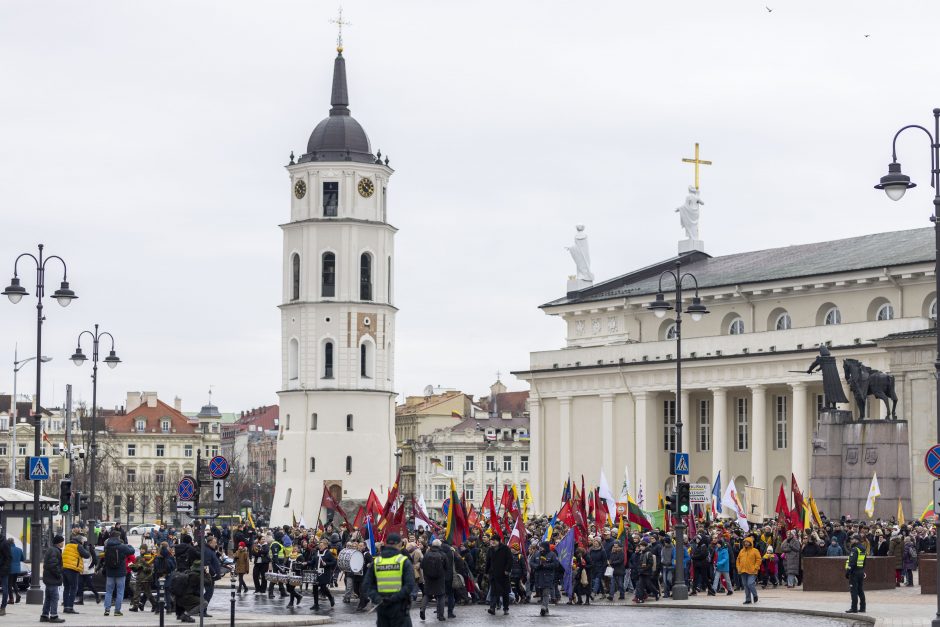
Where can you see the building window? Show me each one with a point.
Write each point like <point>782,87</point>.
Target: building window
<point>780,422</point>
<point>669,425</point>
<point>932,311</point>
<point>287,496</point>
<point>468,463</point>
<point>330,198</point>
<point>313,464</point>
<point>328,276</point>
<point>672,331</point>
<point>449,463</point>
<point>130,504</point>
<point>284,464</point>
<point>885,312</point>
<point>313,422</point>
<point>215,450</point>
<point>736,327</point>
<point>440,492</point>
<point>22,450</point>
<point>833,316</point>
<point>783,322</point>
<point>507,463</point>
<point>159,476</point>
<point>524,463</point>
<point>328,360</point>
<point>4,423</point>
<point>141,425</point>
<point>704,426</point>
<point>287,423</point>
<point>293,362</point>
<point>131,450</point>
<point>3,451</point>
<point>741,424</point>
<point>349,422</point>
<point>348,464</point>
<point>165,426</point>
<point>295,277</point>
<point>131,475</point>
<point>161,450</point>
<point>490,463</point>
<point>365,276</point>
<point>188,450</point>
<point>363,360</point>
<point>468,494</point>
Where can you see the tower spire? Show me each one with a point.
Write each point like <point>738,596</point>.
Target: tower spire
<point>340,96</point>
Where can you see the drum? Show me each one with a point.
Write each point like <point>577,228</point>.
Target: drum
<point>275,578</point>
<point>350,561</point>
<point>294,580</point>
<point>311,576</point>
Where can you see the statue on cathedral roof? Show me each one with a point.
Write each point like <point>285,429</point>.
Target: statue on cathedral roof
<point>689,213</point>
<point>581,255</point>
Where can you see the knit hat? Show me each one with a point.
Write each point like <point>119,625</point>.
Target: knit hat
<point>242,545</point>
<point>436,542</point>
<point>58,539</point>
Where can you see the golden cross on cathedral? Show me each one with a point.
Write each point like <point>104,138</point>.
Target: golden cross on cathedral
<point>697,163</point>
<point>340,22</point>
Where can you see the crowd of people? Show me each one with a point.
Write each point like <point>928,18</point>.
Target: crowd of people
<point>486,568</point>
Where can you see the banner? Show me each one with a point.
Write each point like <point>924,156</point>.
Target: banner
<point>754,497</point>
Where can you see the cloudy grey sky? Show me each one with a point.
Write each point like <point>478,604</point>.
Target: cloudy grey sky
<point>145,143</point>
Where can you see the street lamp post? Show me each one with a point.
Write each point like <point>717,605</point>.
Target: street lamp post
<point>112,360</point>
<point>64,296</point>
<point>17,366</point>
<point>895,183</point>
<point>696,310</point>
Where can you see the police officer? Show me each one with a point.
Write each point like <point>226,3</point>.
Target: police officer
<point>855,573</point>
<point>390,583</point>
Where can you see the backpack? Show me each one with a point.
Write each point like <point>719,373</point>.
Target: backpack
<point>433,565</point>
<point>179,585</point>
<point>112,556</point>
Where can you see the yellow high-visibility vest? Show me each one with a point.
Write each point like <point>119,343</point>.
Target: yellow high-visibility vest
<point>389,572</point>
<point>859,558</point>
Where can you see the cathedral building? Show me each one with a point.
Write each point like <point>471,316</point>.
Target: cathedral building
<point>337,405</point>
<point>607,399</point>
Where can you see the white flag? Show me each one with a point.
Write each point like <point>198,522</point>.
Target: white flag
<point>732,502</point>
<point>874,491</point>
<point>420,524</point>
<point>604,490</point>
<point>640,497</point>
<point>302,523</point>
<point>625,490</point>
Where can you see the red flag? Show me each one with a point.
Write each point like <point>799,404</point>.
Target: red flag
<point>422,515</point>
<point>518,536</point>
<point>797,495</point>
<point>600,511</point>
<point>360,518</point>
<point>582,504</point>
<point>592,502</point>
<point>489,510</point>
<point>373,505</point>
<point>782,510</point>
<point>330,503</point>
<point>565,515</point>
<point>392,501</point>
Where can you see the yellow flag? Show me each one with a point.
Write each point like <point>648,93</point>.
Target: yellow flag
<point>660,503</point>
<point>526,503</point>
<point>815,511</point>
<point>620,527</point>
<point>900,512</point>
<point>806,517</point>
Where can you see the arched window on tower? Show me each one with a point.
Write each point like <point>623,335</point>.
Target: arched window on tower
<point>295,277</point>
<point>363,360</point>
<point>367,358</point>
<point>365,276</point>
<point>349,464</point>
<point>328,276</point>
<point>293,363</point>
<point>328,360</point>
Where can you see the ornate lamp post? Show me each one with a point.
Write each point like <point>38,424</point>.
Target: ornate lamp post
<point>696,310</point>
<point>17,366</point>
<point>64,296</point>
<point>895,183</point>
<point>112,360</point>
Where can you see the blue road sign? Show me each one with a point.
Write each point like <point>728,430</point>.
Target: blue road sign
<point>932,460</point>
<point>38,468</point>
<point>218,467</point>
<point>186,489</point>
<point>682,463</point>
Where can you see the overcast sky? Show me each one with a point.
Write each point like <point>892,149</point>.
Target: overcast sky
<point>145,144</point>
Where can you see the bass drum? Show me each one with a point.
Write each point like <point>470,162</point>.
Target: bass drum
<point>350,561</point>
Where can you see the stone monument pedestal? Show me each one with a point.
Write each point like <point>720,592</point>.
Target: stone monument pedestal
<point>827,574</point>
<point>688,245</point>
<point>847,453</point>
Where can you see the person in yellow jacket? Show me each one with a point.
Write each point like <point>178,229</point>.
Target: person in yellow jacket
<point>73,565</point>
<point>748,564</point>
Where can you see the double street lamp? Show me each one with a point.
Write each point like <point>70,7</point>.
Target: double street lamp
<point>64,296</point>
<point>696,310</point>
<point>112,360</point>
<point>895,183</point>
<point>17,366</point>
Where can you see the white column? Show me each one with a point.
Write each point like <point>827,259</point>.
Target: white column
<point>687,423</point>
<point>535,453</point>
<point>759,437</point>
<point>720,434</point>
<point>799,449</point>
<point>641,409</point>
<point>564,439</point>
<point>607,435</point>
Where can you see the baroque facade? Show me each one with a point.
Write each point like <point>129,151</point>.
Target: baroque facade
<point>607,400</point>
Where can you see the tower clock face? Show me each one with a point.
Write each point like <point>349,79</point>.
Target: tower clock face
<point>366,187</point>
<point>300,189</point>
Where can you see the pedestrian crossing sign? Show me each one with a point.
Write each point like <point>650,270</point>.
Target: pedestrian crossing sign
<point>38,468</point>
<point>682,464</point>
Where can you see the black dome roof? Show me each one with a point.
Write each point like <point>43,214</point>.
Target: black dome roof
<point>339,137</point>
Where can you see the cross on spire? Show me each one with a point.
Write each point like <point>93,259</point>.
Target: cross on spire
<point>340,22</point>
<point>697,163</point>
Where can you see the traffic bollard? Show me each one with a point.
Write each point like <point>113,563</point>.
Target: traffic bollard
<point>161,598</point>
<point>231,617</point>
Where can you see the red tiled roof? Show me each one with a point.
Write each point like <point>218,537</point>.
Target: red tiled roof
<point>513,402</point>
<point>264,417</point>
<point>152,415</point>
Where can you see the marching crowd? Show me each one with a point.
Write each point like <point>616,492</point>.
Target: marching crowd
<point>491,569</point>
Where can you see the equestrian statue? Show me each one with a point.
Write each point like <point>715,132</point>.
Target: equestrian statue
<point>865,382</point>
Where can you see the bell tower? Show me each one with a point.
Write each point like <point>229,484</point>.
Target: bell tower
<point>337,404</point>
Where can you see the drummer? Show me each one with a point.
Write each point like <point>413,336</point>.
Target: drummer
<point>323,562</point>
<point>361,575</point>
<point>295,577</point>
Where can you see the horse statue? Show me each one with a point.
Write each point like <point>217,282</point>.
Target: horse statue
<point>865,382</point>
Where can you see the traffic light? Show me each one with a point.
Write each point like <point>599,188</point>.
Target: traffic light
<point>671,503</point>
<point>81,503</point>
<point>682,498</point>
<point>65,496</point>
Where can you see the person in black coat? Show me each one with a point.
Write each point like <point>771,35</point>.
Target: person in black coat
<point>449,578</point>
<point>324,561</point>
<point>498,567</point>
<point>433,566</point>
<point>6,558</point>
<point>700,565</point>
<point>544,564</point>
